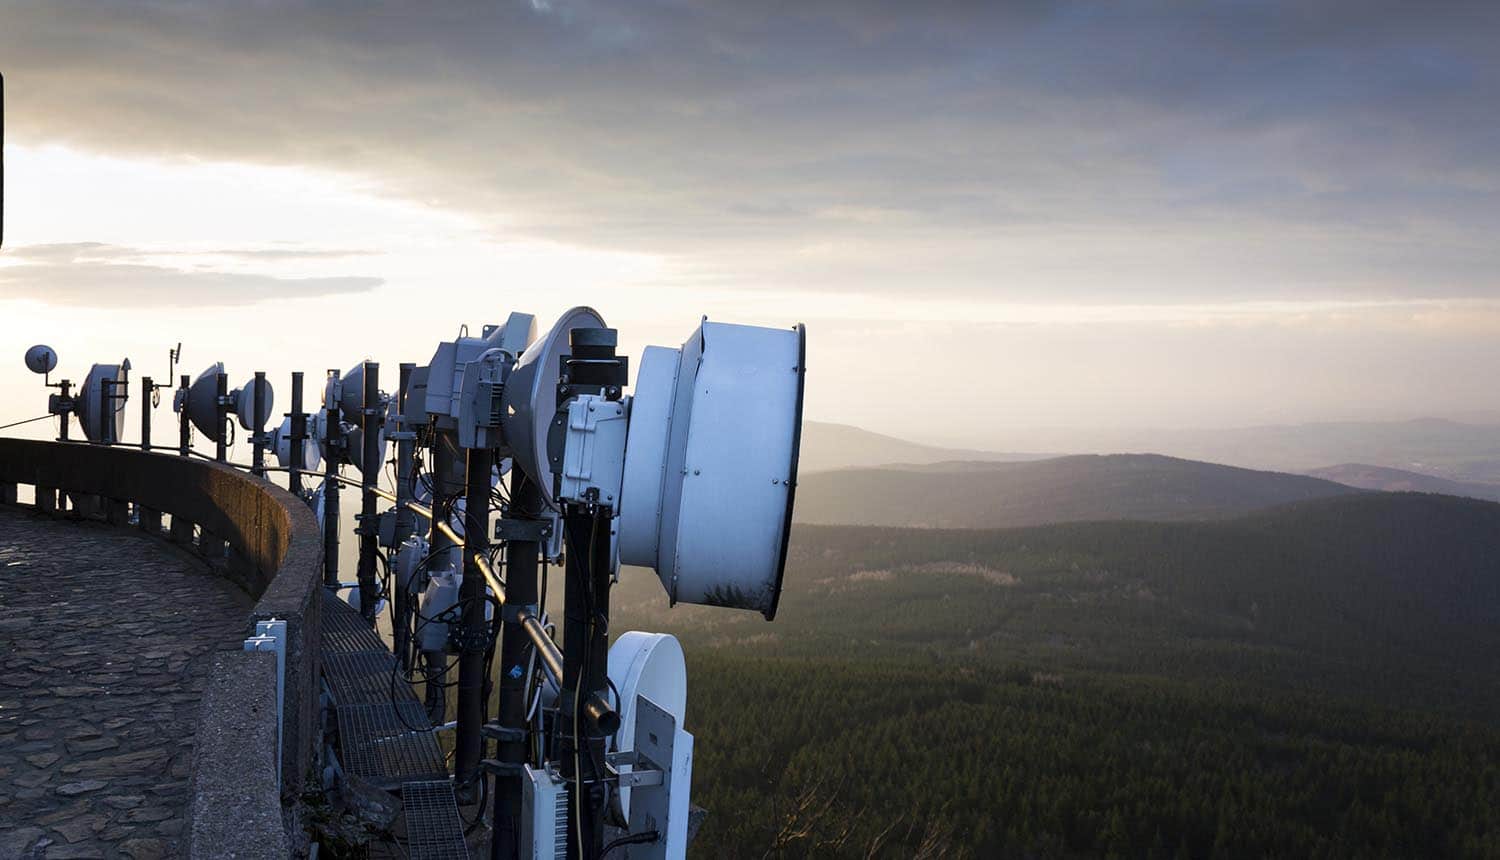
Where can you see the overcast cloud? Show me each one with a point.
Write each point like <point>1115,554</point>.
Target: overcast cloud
<point>1112,152</point>
<point>96,275</point>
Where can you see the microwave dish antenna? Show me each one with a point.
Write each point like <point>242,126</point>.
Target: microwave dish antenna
<point>41,359</point>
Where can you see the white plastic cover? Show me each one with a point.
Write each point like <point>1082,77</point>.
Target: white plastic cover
<point>650,665</point>
<point>711,464</point>
<point>244,404</point>
<point>281,443</point>
<point>529,401</point>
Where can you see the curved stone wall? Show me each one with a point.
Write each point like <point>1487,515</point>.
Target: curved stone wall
<point>270,544</point>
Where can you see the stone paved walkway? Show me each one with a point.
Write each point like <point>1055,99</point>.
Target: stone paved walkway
<point>103,643</point>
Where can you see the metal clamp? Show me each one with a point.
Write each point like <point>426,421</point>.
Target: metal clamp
<point>534,531</point>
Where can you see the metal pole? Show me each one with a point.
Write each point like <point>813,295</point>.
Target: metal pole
<point>521,592</point>
<point>221,415</point>
<point>62,435</point>
<point>297,437</point>
<point>585,676</point>
<point>471,596</point>
<point>106,418</point>
<point>447,475</point>
<point>405,520</point>
<point>184,429</point>
<point>147,389</point>
<point>331,485</point>
<point>257,437</point>
<point>369,460</point>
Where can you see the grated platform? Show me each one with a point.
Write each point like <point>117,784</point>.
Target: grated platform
<point>433,829</point>
<point>365,678</point>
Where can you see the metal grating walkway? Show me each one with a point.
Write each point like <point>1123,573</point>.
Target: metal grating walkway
<point>433,829</point>
<point>344,630</point>
<point>385,738</point>
<point>366,678</point>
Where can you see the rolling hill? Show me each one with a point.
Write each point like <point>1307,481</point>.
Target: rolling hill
<point>1368,477</point>
<point>1062,489</point>
<point>840,446</point>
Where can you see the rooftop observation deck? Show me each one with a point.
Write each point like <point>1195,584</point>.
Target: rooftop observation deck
<point>106,642</point>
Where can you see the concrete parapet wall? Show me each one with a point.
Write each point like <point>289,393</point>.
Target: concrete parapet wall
<point>256,533</point>
<point>236,802</point>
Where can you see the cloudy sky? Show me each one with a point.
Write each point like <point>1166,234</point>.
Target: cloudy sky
<point>992,216</point>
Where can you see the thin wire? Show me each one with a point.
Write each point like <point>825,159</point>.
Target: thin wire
<point>27,421</point>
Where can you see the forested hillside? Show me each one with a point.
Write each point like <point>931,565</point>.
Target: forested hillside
<point>1317,680</point>
<point>1057,490</point>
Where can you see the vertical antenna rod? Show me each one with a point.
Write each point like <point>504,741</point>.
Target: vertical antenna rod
<point>184,430</point>
<point>297,437</point>
<point>331,484</point>
<point>148,389</point>
<point>473,641</point>
<point>257,436</point>
<point>221,415</point>
<point>369,524</point>
<point>405,520</point>
<point>521,592</point>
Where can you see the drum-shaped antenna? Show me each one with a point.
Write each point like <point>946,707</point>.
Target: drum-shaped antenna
<point>529,401</point>
<point>244,404</point>
<point>711,464</point>
<point>650,665</point>
<point>101,401</point>
<point>281,443</point>
<point>202,402</point>
<point>41,359</point>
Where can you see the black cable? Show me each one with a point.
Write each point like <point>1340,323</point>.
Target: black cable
<point>631,839</point>
<point>27,421</point>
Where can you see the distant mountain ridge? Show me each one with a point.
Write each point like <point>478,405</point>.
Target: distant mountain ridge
<point>826,447</point>
<point>977,495</point>
<point>1368,477</point>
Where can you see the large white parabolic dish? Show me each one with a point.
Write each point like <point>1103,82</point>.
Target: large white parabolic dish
<point>529,401</point>
<point>711,464</point>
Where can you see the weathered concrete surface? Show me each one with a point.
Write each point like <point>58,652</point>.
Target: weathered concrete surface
<point>275,545</point>
<point>105,640</point>
<point>236,766</point>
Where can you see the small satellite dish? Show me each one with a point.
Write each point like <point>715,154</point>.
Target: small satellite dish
<point>711,464</point>
<point>103,420</point>
<point>41,359</point>
<point>650,665</point>
<point>281,443</point>
<point>529,401</point>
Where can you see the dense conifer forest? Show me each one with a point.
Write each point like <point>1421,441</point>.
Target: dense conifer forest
<point>1317,680</point>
